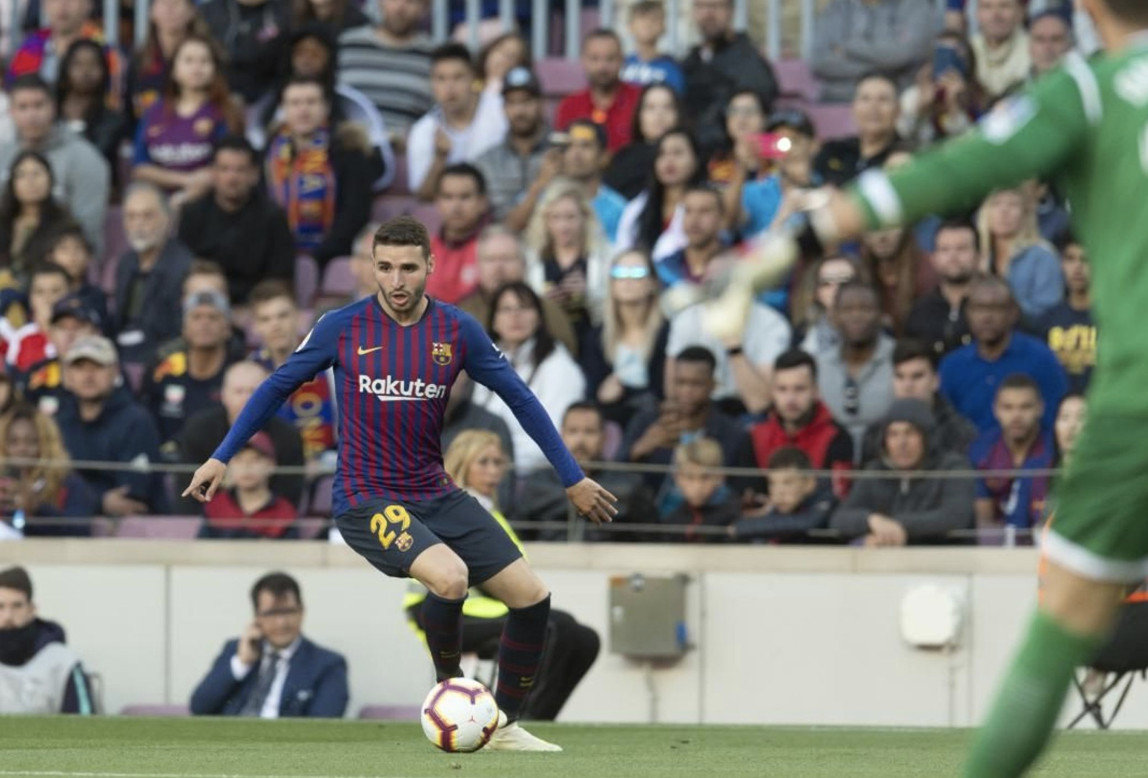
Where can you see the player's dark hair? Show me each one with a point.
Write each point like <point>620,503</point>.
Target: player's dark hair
<point>278,585</point>
<point>908,349</point>
<point>793,359</point>
<point>1019,381</point>
<point>236,143</point>
<point>17,579</point>
<point>698,355</point>
<point>954,225</point>
<point>1131,11</point>
<point>584,405</point>
<point>466,170</point>
<point>30,82</point>
<point>270,289</point>
<point>601,32</point>
<point>789,458</point>
<point>708,189</point>
<point>403,231</point>
<point>543,339</point>
<point>452,51</point>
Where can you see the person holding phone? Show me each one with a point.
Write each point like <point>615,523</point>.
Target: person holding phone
<point>946,99</point>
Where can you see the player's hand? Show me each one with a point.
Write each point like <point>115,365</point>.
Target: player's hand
<point>592,501</point>
<point>250,645</point>
<point>206,480</point>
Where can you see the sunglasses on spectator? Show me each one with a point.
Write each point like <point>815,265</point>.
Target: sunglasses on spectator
<point>622,271</point>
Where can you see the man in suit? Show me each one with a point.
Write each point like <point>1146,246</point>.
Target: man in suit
<point>272,671</point>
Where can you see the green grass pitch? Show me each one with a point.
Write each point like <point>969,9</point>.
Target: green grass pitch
<point>231,748</point>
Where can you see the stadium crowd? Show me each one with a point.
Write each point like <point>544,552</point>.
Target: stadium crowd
<point>173,219</point>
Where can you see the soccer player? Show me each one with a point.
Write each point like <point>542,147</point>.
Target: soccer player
<point>395,356</point>
<point>1085,127</point>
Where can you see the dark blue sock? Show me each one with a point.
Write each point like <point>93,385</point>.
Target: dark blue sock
<point>442,623</point>
<point>519,655</point>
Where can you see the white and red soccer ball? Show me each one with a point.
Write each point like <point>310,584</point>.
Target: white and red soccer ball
<point>459,715</point>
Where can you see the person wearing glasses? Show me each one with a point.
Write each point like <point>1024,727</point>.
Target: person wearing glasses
<point>271,671</point>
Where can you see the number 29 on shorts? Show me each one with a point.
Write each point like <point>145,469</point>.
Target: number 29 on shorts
<point>382,525</point>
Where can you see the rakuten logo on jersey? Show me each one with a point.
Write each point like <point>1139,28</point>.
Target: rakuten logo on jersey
<point>390,390</point>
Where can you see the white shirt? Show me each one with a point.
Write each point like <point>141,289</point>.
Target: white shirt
<point>672,239</point>
<point>486,130</point>
<point>239,671</point>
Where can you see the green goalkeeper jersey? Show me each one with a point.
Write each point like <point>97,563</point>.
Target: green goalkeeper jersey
<point>1084,127</point>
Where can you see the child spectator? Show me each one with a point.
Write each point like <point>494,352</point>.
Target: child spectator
<point>69,248</point>
<point>249,509</point>
<point>169,22</point>
<point>29,344</point>
<point>647,65</point>
<point>706,500</point>
<point>29,214</point>
<point>796,505</point>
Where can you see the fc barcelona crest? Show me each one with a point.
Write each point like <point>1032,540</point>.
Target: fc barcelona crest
<point>441,353</point>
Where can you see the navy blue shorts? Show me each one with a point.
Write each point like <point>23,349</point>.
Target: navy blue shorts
<point>390,534</point>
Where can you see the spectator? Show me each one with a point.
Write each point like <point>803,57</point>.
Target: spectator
<point>799,419</point>
<point>1050,39</point>
<point>501,55</point>
<point>42,383</point>
<point>624,358</point>
<point>569,262</point>
<point>653,220</point>
<point>875,112</point>
<point>796,504</point>
<point>856,378</point>
<point>204,431</point>
<point>971,374</point>
<point>659,110</point>
<point>900,271</point>
<point>45,498</point>
<point>946,98</point>
<point>102,423</point>
<point>938,318</point>
<point>907,506</point>
<point>390,64</point>
<point>1070,418</point>
<point>724,63</point>
<point>705,499</point>
<point>149,275</point>
<point>29,213</point>
<point>915,378</point>
<point>248,508</point>
<point>462,414</point>
<point>543,498</point>
<point>169,23</point>
<point>186,375</point>
<point>1069,329</point>
<point>7,391</point>
<point>1001,46</point>
<point>311,407</point>
<point>816,301</point>
<point>1020,442</point>
<point>703,223</point>
<point>41,51</point>
<point>249,32</point>
<point>1011,248</point>
<point>80,176</point>
<point>518,170</point>
<point>177,135</point>
<point>739,160</point>
<point>237,225</point>
<point>501,259</point>
<point>474,463</point>
<point>337,15</point>
<point>69,249</point>
<point>319,173</point>
<point>583,160</point>
<point>518,329</point>
<point>29,344</point>
<point>687,413</point>
<point>608,101</point>
<point>82,97</point>
<point>461,126</point>
<point>271,671</point>
<point>39,673</point>
<point>363,264</point>
<point>461,202</point>
<point>648,65</point>
<point>855,37</point>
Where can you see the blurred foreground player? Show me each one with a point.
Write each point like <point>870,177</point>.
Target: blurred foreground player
<point>396,355</point>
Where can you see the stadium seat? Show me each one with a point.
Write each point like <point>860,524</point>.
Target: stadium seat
<point>321,496</point>
<point>309,529</point>
<point>796,79</point>
<point>428,215</point>
<point>611,440</point>
<point>306,280</point>
<point>560,76</point>
<point>390,712</point>
<point>391,205</point>
<point>160,527</point>
<point>832,120</point>
<point>145,709</point>
<point>338,281</point>
<point>399,185</point>
<point>115,244</point>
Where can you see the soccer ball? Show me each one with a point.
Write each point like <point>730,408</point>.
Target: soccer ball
<point>459,715</point>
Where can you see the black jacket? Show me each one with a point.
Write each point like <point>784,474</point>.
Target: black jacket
<point>952,433</point>
<point>543,499</point>
<point>251,35</point>
<point>813,513</point>
<point>161,314</point>
<point>734,66</point>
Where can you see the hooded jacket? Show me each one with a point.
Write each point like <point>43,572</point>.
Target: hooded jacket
<point>47,678</point>
<point>928,508</point>
<point>828,445</point>
<point>952,433</point>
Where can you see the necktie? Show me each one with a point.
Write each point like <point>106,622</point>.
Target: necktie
<point>254,704</point>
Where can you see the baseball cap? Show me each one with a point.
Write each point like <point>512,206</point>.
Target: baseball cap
<point>262,443</point>
<point>73,305</point>
<point>97,348</point>
<point>521,77</point>
<point>794,119</point>
<point>209,297</point>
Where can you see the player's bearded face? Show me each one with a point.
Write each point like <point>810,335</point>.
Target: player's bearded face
<point>401,273</point>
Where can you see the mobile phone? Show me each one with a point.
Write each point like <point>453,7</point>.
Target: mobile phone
<point>773,145</point>
<point>946,58</point>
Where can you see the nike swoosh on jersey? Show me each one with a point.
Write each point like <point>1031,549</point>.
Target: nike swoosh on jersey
<point>364,351</point>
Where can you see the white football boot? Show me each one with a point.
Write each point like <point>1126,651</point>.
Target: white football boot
<point>511,737</point>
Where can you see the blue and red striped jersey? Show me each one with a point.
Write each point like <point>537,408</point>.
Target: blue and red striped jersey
<point>392,383</point>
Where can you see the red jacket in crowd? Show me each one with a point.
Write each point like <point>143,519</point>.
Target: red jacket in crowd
<point>828,445</point>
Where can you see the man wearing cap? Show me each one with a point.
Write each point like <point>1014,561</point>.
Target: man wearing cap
<point>101,424</point>
<point>608,101</point>
<point>187,374</point>
<point>72,319</point>
<point>520,168</point>
<point>583,160</point>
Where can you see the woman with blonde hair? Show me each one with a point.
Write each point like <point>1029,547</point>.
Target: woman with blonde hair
<point>42,485</point>
<point>813,330</point>
<point>1012,248</point>
<point>569,253</point>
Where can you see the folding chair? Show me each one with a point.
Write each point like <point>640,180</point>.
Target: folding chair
<point>1119,662</point>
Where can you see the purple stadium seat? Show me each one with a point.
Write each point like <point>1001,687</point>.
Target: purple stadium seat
<point>832,120</point>
<point>399,186</point>
<point>611,439</point>
<point>796,79</point>
<point>144,709</point>
<point>428,215</point>
<point>321,496</point>
<point>306,280</point>
<point>338,280</point>
<point>309,529</point>
<point>390,712</point>
<point>160,527</point>
<point>390,205</point>
<point>560,76</point>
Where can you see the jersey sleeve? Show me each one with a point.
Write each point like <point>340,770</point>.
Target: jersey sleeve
<point>1030,135</point>
<point>487,365</point>
<point>315,354</point>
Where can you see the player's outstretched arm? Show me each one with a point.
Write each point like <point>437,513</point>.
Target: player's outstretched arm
<point>205,482</point>
<point>593,501</point>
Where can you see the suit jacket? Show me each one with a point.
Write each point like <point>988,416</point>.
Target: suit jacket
<point>161,316</point>
<point>315,687</point>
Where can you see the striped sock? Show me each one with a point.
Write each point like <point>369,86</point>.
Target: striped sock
<point>442,624</point>
<point>519,655</point>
